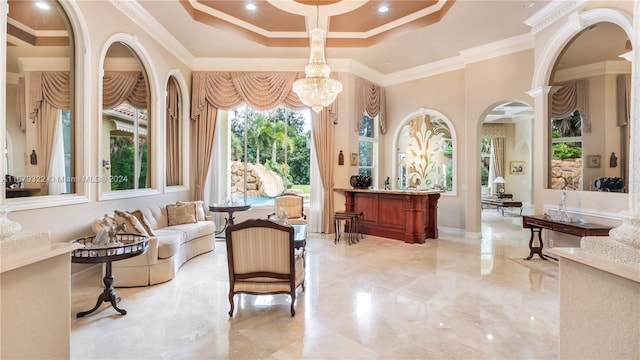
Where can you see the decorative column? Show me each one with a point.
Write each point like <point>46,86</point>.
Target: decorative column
<point>623,244</point>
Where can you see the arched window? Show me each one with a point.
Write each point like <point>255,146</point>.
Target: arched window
<point>126,123</point>
<point>425,157</point>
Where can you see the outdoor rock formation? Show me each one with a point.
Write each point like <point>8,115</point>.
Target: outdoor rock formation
<point>261,182</point>
<point>566,174</point>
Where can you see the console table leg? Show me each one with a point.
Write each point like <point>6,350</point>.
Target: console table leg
<point>533,250</point>
<point>108,294</point>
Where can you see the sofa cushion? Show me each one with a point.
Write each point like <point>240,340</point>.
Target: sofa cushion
<point>133,226</point>
<point>181,214</point>
<point>156,216</point>
<point>194,231</point>
<point>138,214</point>
<point>200,213</point>
<point>168,242</point>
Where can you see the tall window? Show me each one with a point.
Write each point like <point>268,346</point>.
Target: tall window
<point>128,147</point>
<point>277,143</point>
<point>367,146</point>
<point>485,159</point>
<point>566,152</point>
<point>125,129</point>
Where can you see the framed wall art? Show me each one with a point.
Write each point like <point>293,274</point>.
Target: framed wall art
<point>354,159</point>
<point>593,161</point>
<point>517,167</point>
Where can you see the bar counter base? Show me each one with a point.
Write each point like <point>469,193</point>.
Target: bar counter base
<point>410,216</point>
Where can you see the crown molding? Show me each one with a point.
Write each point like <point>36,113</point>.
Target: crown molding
<point>248,64</point>
<point>499,48</point>
<point>284,64</point>
<point>610,67</point>
<point>140,16</point>
<point>551,13</point>
<point>422,71</point>
<point>122,64</point>
<point>480,53</point>
<point>26,64</point>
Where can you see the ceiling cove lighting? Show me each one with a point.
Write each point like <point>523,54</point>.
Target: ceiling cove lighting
<point>317,89</point>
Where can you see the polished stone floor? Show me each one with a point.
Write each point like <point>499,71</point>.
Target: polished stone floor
<point>451,298</point>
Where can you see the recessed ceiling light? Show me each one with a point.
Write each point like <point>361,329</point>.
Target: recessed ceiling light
<point>528,4</point>
<point>42,5</point>
<point>383,9</point>
<point>251,7</point>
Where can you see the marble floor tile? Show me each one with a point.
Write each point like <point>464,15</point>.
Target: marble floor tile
<point>451,298</point>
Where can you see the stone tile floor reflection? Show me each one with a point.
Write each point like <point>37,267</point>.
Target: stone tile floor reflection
<point>451,298</point>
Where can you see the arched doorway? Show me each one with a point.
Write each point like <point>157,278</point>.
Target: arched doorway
<point>506,136</point>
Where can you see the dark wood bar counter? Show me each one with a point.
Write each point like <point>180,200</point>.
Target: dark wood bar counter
<point>411,216</point>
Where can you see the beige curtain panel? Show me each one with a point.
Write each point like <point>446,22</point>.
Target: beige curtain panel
<point>370,99</point>
<point>20,105</point>
<point>572,96</point>
<point>322,125</point>
<point>121,86</point>
<point>50,93</point>
<point>173,133</point>
<point>623,98</point>
<point>205,127</point>
<point>498,155</point>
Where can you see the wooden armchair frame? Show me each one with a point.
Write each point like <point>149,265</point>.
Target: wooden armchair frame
<point>262,260</point>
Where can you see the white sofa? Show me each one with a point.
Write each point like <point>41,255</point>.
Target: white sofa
<point>170,246</point>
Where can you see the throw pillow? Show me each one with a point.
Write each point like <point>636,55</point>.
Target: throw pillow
<point>143,221</point>
<point>181,214</point>
<point>200,213</point>
<point>131,222</point>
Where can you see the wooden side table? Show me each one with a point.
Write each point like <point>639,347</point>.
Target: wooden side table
<point>229,209</point>
<point>128,245</point>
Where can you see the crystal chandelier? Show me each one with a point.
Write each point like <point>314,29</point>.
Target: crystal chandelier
<point>317,89</point>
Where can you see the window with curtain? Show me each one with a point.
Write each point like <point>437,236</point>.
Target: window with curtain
<point>125,157</point>
<point>566,152</point>
<point>277,145</point>
<point>173,133</point>
<point>367,147</point>
<point>485,158</point>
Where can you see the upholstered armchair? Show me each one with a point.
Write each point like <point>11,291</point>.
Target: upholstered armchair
<point>263,260</point>
<point>291,206</point>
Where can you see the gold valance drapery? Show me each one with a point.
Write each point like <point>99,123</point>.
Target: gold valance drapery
<point>120,86</point>
<point>569,97</point>
<point>370,99</point>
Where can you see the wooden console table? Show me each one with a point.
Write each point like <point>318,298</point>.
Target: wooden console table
<point>501,203</point>
<point>536,223</point>
<point>411,216</point>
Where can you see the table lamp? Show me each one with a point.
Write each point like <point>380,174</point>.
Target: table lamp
<point>499,181</point>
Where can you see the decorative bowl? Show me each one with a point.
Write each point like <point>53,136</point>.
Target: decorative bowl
<point>360,181</point>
